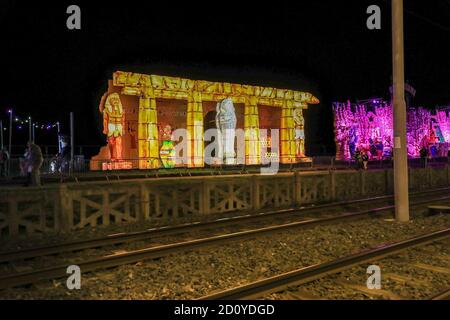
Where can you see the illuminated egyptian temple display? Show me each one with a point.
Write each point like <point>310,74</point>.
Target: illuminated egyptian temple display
<point>140,112</point>
<point>369,128</point>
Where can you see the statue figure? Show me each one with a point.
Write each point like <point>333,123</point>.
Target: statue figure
<point>226,125</point>
<point>113,123</point>
<point>167,151</point>
<point>299,133</point>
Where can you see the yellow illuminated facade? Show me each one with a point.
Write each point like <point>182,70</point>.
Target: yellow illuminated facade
<point>193,94</point>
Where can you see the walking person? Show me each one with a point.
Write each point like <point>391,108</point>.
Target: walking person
<point>365,160</point>
<point>423,157</point>
<point>4,160</point>
<point>358,159</point>
<point>34,160</point>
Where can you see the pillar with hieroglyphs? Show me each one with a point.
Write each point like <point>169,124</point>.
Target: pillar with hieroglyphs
<point>194,123</point>
<point>251,128</point>
<point>148,130</point>
<point>287,134</point>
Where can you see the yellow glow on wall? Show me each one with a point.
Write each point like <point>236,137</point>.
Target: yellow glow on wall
<point>151,87</point>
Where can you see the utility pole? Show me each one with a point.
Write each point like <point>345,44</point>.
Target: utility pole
<point>1,133</point>
<point>30,123</point>
<point>72,142</point>
<point>59,142</point>
<point>400,156</point>
<point>10,111</point>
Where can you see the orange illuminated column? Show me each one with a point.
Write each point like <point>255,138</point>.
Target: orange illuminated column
<point>251,128</point>
<point>194,123</point>
<point>287,133</point>
<point>299,124</point>
<point>148,131</point>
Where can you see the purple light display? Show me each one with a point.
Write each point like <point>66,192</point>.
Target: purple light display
<point>368,127</point>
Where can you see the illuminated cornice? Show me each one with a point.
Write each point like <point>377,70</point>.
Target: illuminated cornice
<point>181,88</point>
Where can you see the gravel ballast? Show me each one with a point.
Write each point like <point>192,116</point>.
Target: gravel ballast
<point>194,274</point>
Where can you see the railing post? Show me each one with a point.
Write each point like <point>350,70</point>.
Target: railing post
<point>205,202</point>
<point>332,185</point>
<point>63,210</point>
<point>297,189</point>
<point>144,203</point>
<point>429,177</point>
<point>255,193</point>
<point>411,178</point>
<point>13,217</point>
<point>386,181</point>
<point>448,173</point>
<point>362,181</point>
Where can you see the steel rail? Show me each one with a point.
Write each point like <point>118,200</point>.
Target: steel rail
<point>108,261</point>
<point>27,253</point>
<point>443,295</point>
<point>300,276</point>
<point>134,256</point>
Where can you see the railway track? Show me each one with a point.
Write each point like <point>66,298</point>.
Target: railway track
<point>281,282</point>
<point>443,295</point>
<point>29,253</point>
<point>114,260</point>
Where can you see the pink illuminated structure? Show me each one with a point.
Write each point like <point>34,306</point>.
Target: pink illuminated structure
<point>368,127</point>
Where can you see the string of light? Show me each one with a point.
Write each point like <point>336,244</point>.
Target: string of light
<point>19,122</point>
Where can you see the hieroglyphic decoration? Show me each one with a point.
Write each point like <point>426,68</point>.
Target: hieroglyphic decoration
<point>252,133</point>
<point>194,123</point>
<point>287,134</point>
<point>148,145</point>
<point>179,88</point>
<point>151,87</point>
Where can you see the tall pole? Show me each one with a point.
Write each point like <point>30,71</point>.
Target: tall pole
<point>1,133</point>
<point>72,144</point>
<point>30,123</point>
<point>400,156</point>
<point>34,126</point>
<point>59,142</point>
<point>10,130</point>
<point>10,139</point>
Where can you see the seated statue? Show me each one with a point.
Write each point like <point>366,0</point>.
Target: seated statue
<point>226,125</point>
<point>113,123</point>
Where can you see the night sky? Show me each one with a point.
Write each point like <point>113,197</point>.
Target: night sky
<point>319,46</point>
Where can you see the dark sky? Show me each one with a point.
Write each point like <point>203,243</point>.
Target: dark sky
<point>320,46</point>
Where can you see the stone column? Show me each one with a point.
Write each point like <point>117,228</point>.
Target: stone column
<point>194,121</point>
<point>300,143</point>
<point>251,128</point>
<point>287,134</point>
<point>148,143</point>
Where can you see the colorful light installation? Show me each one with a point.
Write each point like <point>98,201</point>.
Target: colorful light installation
<point>136,131</point>
<point>369,128</point>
